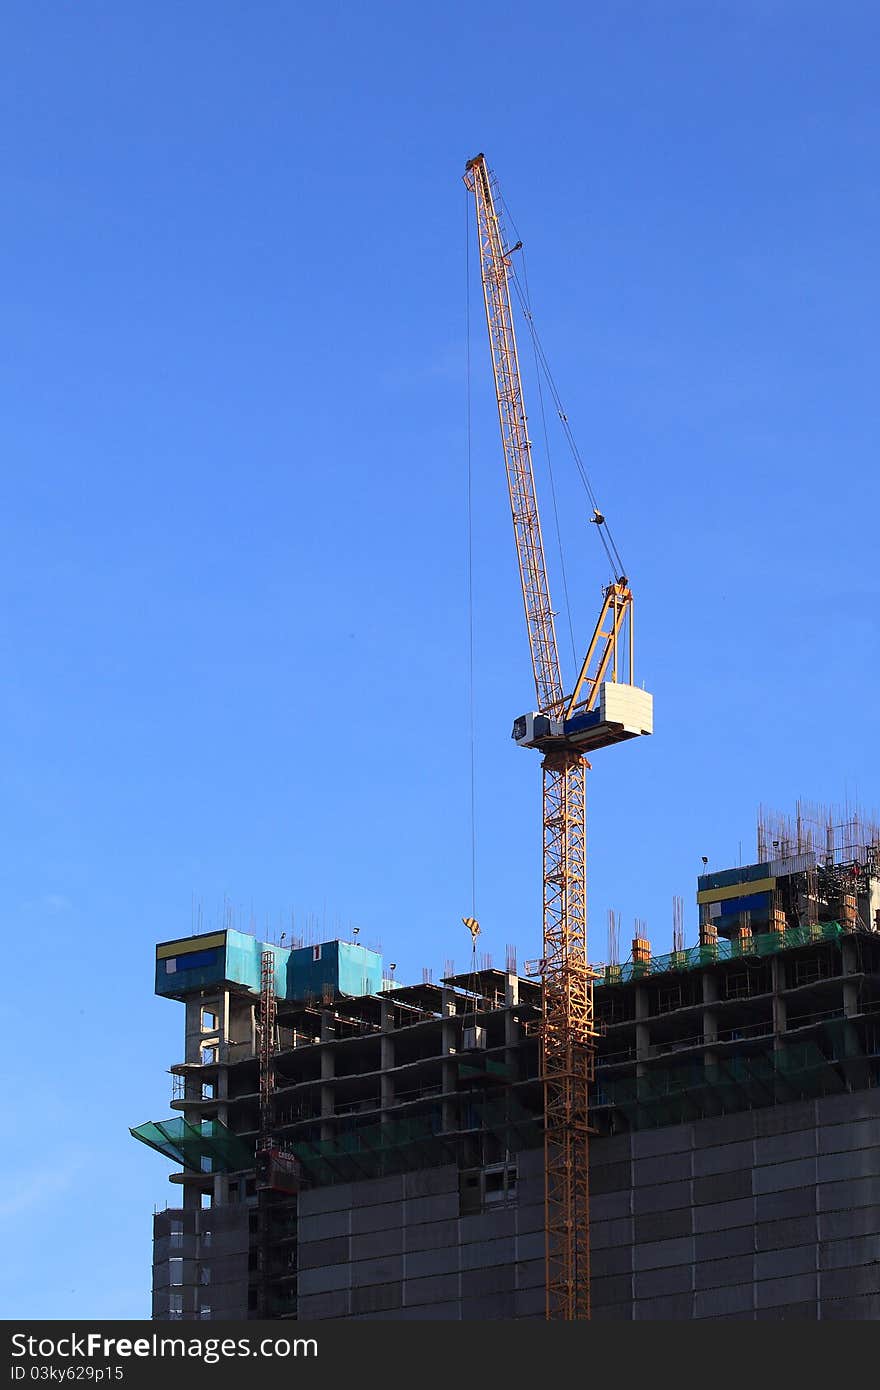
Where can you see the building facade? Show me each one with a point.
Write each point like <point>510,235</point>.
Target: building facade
<point>735,1170</point>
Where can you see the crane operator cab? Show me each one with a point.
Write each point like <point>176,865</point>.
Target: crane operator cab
<point>624,711</point>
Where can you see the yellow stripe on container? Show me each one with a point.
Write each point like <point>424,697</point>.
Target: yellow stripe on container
<point>189,944</point>
<point>736,890</point>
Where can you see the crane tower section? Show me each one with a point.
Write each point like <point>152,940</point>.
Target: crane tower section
<point>601,709</point>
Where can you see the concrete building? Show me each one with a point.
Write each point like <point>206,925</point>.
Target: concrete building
<point>735,1172</point>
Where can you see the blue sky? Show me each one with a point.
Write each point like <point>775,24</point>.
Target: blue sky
<point>233,634</point>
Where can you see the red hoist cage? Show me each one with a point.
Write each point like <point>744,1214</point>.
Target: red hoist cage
<point>568,1033</point>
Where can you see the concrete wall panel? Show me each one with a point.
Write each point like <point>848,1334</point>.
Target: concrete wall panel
<point>722,1158</point>
<point>425,1262</point>
<point>654,1254</point>
<point>664,1196</point>
<point>792,1259</point>
<point>382,1271</point>
<point>431,1235</point>
<point>436,1288</point>
<point>796,1288</point>
<point>735,1269</point>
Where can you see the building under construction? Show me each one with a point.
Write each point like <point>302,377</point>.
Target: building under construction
<point>351,1147</point>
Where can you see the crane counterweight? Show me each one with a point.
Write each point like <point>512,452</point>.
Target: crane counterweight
<point>624,712</point>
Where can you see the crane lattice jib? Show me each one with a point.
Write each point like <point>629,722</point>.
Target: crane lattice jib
<point>494,267</point>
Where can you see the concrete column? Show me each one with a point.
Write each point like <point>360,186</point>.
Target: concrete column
<point>710,1017</point>
<point>643,1035</point>
<point>190,1198</point>
<point>641,1002</point>
<point>512,1034</point>
<point>326,1110</point>
<point>850,966</point>
<point>386,1062</point>
<point>448,1082</point>
<point>448,1033</point>
<point>193,1030</point>
<point>849,954</point>
<point>777,977</point>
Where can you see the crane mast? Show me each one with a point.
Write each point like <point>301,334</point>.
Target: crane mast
<point>603,707</point>
<point>567,1031</point>
<point>268,1037</point>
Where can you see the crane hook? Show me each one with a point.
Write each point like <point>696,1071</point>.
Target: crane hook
<point>473,927</point>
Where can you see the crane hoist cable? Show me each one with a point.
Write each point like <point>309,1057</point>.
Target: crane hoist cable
<point>470,563</point>
<point>523,296</point>
<point>549,455</point>
<point>598,516</point>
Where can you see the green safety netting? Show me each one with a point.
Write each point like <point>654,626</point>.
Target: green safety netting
<point>398,1146</point>
<point>673,1095</point>
<point>761,944</point>
<point>190,1144</point>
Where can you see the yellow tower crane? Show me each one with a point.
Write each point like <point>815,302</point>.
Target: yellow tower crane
<point>604,707</point>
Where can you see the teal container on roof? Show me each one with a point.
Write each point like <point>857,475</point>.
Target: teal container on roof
<point>215,959</point>
<point>337,967</point>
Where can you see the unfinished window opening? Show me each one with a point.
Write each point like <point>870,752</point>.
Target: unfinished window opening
<point>494,1185</point>
<point>669,999</point>
<point>205,1274</point>
<point>807,972</point>
<point>499,1185</point>
<point>175,1270</point>
<point>209,1090</point>
<point>206,1163</point>
<point>205,1313</point>
<point>207,1201</point>
<point>176,1235</point>
<point>480,1188</point>
<point>209,1021</point>
<point>209,1054</point>
<point>469,1192</point>
<point>175,1305</point>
